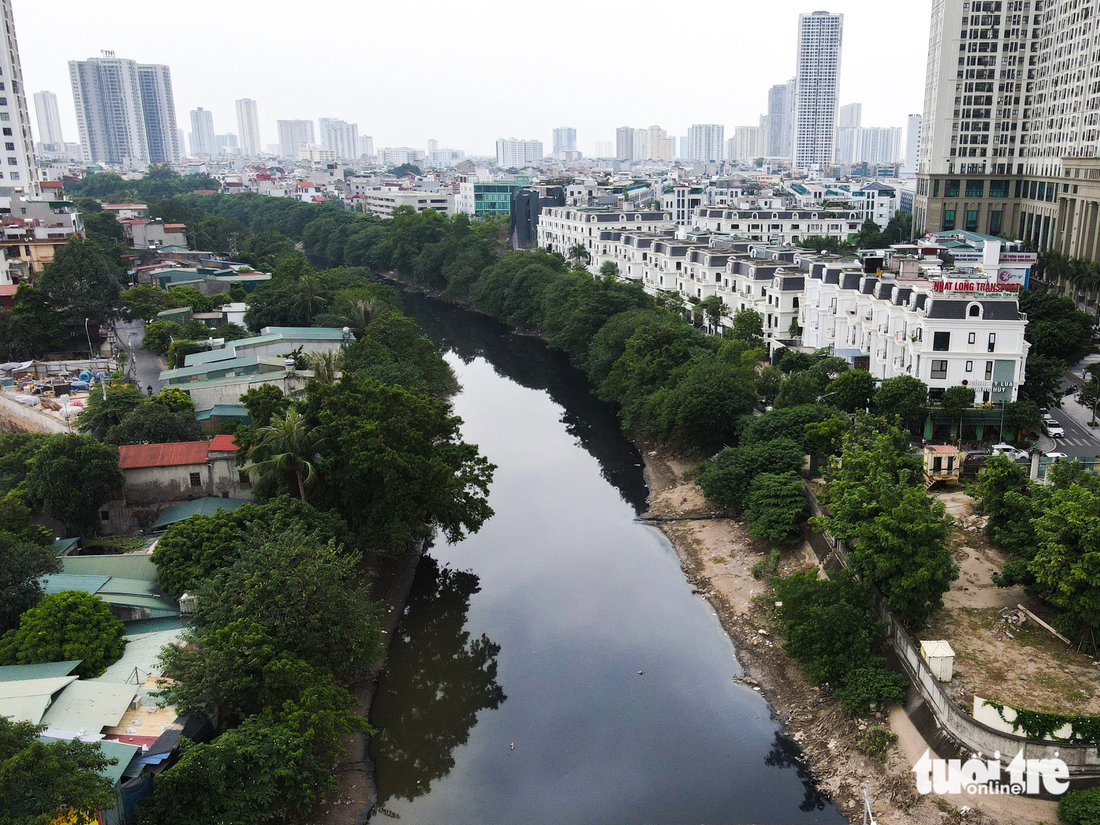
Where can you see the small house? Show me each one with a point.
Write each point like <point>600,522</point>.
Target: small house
<point>942,462</point>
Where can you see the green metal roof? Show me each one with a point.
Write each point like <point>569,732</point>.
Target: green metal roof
<point>46,670</point>
<point>225,411</point>
<point>90,705</point>
<point>205,506</point>
<point>64,545</point>
<point>28,700</point>
<point>121,565</point>
<point>60,582</point>
<point>120,751</point>
<point>141,654</point>
<point>25,708</point>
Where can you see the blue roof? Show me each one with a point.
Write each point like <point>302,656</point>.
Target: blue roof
<point>224,411</point>
<point>60,582</point>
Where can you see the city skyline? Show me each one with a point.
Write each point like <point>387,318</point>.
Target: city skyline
<point>452,108</point>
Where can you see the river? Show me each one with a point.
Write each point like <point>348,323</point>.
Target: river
<point>556,667</point>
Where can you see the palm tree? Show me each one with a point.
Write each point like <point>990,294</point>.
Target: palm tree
<point>309,298</point>
<point>578,254</point>
<point>286,450</point>
<point>360,313</point>
<point>325,365</point>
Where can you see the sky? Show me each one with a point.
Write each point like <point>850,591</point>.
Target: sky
<point>467,73</point>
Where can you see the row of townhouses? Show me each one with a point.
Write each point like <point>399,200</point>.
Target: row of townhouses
<point>946,327</point>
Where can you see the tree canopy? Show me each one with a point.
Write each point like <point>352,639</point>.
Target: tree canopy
<point>63,627</point>
<point>71,476</point>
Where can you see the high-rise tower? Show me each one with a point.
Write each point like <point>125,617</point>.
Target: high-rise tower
<point>18,172</point>
<point>248,125</point>
<point>49,121</point>
<point>817,79</point>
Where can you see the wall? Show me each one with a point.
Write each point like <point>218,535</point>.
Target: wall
<point>15,417</point>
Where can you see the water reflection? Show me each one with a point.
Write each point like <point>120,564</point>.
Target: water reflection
<point>785,753</point>
<point>530,363</point>
<point>425,709</point>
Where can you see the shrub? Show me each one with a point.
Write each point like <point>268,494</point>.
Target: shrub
<point>1080,807</point>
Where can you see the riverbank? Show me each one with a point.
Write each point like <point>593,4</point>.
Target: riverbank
<point>391,581</point>
<point>717,557</point>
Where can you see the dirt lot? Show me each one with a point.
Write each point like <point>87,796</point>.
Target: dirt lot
<point>718,556</point>
<point>1000,653</point>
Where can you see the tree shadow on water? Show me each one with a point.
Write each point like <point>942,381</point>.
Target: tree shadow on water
<point>785,753</point>
<point>437,680</point>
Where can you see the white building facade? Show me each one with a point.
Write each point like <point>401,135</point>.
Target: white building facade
<point>248,126</point>
<point>817,81</point>
<point>706,142</point>
<point>293,134</point>
<point>19,171</point>
<point>49,122</point>
<point>516,154</point>
<point>341,137</point>
<point>203,141</point>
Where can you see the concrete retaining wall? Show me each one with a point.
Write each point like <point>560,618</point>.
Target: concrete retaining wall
<point>14,417</point>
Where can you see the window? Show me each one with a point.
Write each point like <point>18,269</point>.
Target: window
<point>196,479</point>
<point>996,220</point>
<point>992,342</point>
<point>7,131</point>
<point>975,188</point>
<point>971,220</point>
<point>941,341</point>
<point>952,189</point>
<point>948,219</point>
<point>939,369</point>
<point>988,370</point>
<point>243,478</point>
<point>970,338</point>
<point>935,188</point>
<point>104,515</point>
<point>13,162</point>
<point>998,189</point>
<point>974,311</point>
<point>970,366</point>
<point>9,147</point>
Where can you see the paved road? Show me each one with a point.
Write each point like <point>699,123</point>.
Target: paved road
<point>1081,441</point>
<point>145,368</point>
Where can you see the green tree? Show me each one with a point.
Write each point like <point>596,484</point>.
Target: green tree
<point>798,389</point>
<point>16,452</point>
<point>273,607</point>
<point>34,324</point>
<point>901,398</point>
<point>851,391</point>
<point>64,627</point>
<point>43,780</point>
<point>715,309</point>
<point>1067,556</point>
<point>152,423</point>
<point>393,463</point>
<point>99,415</point>
<point>143,302</point>
<point>82,282</point>
<point>192,551</point>
<point>1010,501</point>
<point>609,270</point>
<point>1055,327</point>
<point>727,479</point>
<point>1043,381</point>
<point>71,476</point>
<point>23,562</point>
<point>283,454</point>
<point>776,507</point>
<point>956,401</point>
<point>579,255</point>
<point>159,336</point>
<point>748,325</point>
<point>1022,417</point>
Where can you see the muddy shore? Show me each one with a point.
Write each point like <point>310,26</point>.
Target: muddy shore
<point>717,557</point>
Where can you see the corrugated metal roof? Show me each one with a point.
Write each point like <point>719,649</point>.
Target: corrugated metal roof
<point>224,411</point>
<point>206,506</point>
<point>60,582</point>
<point>46,670</point>
<point>62,545</point>
<point>224,443</point>
<point>137,456</point>
<point>90,705</point>
<point>25,708</point>
<point>142,651</point>
<point>35,687</point>
<point>121,565</point>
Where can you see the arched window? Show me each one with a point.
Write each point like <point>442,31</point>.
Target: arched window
<point>974,310</point>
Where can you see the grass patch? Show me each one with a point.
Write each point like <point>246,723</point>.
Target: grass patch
<point>767,566</point>
<point>876,742</point>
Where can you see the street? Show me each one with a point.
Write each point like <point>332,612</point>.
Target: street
<point>1081,441</point>
<point>145,367</point>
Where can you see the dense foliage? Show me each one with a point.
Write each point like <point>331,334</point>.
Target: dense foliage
<point>829,627</point>
<point>41,781</point>
<point>63,627</point>
<point>71,476</point>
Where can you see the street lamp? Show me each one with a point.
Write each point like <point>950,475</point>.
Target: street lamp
<point>88,335</point>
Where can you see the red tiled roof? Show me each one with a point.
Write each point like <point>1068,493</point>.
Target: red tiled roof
<point>175,226</point>
<point>224,443</point>
<point>137,456</point>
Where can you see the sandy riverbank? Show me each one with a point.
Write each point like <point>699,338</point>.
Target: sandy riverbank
<point>717,556</point>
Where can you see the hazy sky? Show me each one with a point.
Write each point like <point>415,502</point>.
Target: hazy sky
<point>469,72</point>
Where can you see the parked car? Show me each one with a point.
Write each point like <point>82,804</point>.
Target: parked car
<point>1014,453</point>
<point>1054,454</point>
<point>1046,414</point>
<point>1054,429</point>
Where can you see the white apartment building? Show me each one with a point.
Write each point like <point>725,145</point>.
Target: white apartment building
<point>817,80</point>
<point>315,153</point>
<point>382,200</point>
<point>777,226</point>
<point>248,125</point>
<point>366,146</point>
<point>941,331</point>
<point>880,144</point>
<point>401,155</point>
<point>912,143</point>
<point>749,143</point>
<point>18,171</point>
<point>877,202</point>
<point>516,154</point>
<point>779,122</point>
<point>293,134</point>
<point>159,109</point>
<point>705,142</point>
<point>203,141</point>
<point>49,122</point>
<point>341,137</point>
<point>565,139</point>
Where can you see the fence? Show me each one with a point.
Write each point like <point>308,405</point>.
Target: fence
<point>964,730</point>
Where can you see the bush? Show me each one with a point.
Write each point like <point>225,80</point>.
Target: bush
<point>767,566</point>
<point>727,478</point>
<point>872,687</point>
<point>776,507</point>
<point>876,741</point>
<point>1080,807</point>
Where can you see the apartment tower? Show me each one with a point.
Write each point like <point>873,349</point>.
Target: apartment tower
<point>19,172</point>
<point>1010,141</point>
<point>203,141</point>
<point>292,135</point>
<point>49,121</point>
<point>248,127</point>
<point>817,79</point>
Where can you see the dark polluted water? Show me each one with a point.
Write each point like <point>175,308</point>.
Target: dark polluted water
<point>555,667</point>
